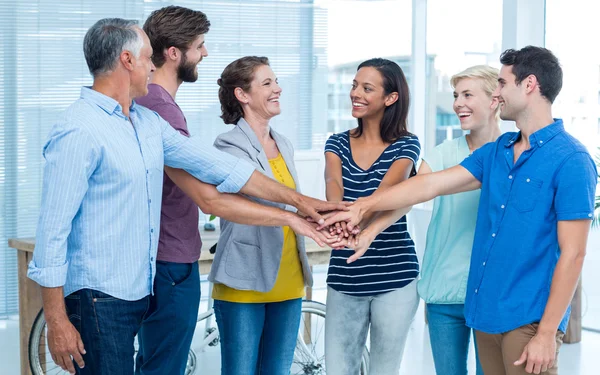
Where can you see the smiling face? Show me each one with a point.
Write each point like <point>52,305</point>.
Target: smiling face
<point>367,94</point>
<point>143,68</point>
<point>187,71</point>
<point>512,97</point>
<point>473,106</point>
<point>263,97</point>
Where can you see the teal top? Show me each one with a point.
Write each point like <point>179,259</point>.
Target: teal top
<point>445,268</point>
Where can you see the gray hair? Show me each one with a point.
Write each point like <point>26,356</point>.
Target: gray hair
<point>104,42</point>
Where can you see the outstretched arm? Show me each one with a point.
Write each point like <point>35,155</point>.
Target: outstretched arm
<point>238,209</point>
<point>418,189</point>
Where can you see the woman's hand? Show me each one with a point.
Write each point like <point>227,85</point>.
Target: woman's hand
<point>360,244</point>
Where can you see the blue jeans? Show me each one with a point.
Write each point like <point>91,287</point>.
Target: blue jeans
<point>258,338</point>
<point>450,339</point>
<point>107,326</point>
<point>168,328</point>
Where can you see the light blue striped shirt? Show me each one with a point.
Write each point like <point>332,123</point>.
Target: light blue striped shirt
<point>101,195</point>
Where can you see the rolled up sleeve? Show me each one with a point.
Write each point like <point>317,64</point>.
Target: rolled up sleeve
<point>576,188</point>
<point>228,173</point>
<point>70,158</point>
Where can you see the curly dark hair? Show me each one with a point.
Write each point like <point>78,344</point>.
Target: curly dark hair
<point>239,73</point>
<point>537,61</point>
<point>174,26</point>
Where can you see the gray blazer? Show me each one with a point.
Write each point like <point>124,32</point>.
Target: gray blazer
<point>247,256</point>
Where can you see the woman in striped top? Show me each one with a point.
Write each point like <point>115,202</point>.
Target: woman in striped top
<point>377,291</point>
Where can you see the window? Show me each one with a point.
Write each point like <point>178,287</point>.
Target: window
<point>45,69</point>
<point>460,34</point>
<point>579,65</point>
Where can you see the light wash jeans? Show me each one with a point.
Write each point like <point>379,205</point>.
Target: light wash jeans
<point>348,320</point>
<point>450,339</point>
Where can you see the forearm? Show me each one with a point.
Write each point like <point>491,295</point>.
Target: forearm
<point>241,210</point>
<point>334,192</point>
<point>231,207</point>
<point>403,195</point>
<point>54,305</point>
<point>380,221</point>
<point>261,186</point>
<point>564,282</point>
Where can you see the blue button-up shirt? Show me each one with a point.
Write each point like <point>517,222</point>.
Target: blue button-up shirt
<point>516,245</point>
<point>101,195</point>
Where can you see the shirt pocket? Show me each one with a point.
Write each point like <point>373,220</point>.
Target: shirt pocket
<point>152,148</point>
<point>527,193</point>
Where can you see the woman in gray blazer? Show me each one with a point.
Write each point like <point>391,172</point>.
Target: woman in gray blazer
<point>259,273</point>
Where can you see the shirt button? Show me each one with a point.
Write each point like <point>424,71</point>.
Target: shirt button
<point>541,142</point>
<point>484,264</point>
<point>493,234</point>
<point>147,171</point>
<point>528,180</point>
<point>590,215</point>
<point>476,291</point>
<point>151,259</point>
<point>510,177</point>
<point>149,200</point>
<point>151,230</point>
<point>502,206</point>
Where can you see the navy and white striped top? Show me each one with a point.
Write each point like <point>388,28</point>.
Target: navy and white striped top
<point>390,262</point>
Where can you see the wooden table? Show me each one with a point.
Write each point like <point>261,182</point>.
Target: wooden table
<point>30,298</point>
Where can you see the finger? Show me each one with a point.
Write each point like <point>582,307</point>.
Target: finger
<point>314,214</point>
<point>68,362</point>
<point>537,367</point>
<point>78,359</point>
<point>339,216</point>
<point>355,256</point>
<point>544,368</point>
<point>338,228</point>
<point>80,346</point>
<point>530,365</point>
<point>522,359</point>
<point>59,361</point>
<point>344,229</point>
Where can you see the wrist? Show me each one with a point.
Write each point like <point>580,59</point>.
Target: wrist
<point>545,330</point>
<point>289,218</point>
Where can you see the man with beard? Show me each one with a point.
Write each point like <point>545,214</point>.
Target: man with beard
<point>177,38</point>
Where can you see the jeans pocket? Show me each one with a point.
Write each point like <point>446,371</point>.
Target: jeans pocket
<point>98,296</point>
<point>178,272</point>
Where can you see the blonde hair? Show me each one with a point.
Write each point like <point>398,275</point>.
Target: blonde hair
<point>487,75</point>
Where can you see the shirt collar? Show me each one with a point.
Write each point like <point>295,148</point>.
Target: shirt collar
<point>108,104</point>
<point>540,137</point>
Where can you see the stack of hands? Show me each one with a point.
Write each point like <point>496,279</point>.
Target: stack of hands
<point>334,224</point>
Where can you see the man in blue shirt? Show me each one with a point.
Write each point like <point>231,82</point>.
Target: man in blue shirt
<point>97,235</point>
<point>536,205</point>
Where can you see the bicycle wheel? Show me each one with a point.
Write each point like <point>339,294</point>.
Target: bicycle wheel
<point>309,356</point>
<point>40,360</point>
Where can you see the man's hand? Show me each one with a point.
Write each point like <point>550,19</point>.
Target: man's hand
<point>539,353</point>
<point>65,345</point>
<point>303,227</point>
<point>352,216</point>
<point>312,207</point>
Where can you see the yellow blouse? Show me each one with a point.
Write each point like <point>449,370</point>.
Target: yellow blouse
<point>290,280</point>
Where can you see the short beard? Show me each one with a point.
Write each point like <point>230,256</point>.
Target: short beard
<point>187,72</point>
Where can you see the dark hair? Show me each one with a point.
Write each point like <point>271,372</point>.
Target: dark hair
<point>174,26</point>
<point>106,39</point>
<point>239,73</point>
<point>538,61</point>
<point>394,122</point>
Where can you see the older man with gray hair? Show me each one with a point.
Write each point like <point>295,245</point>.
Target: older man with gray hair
<point>97,235</point>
